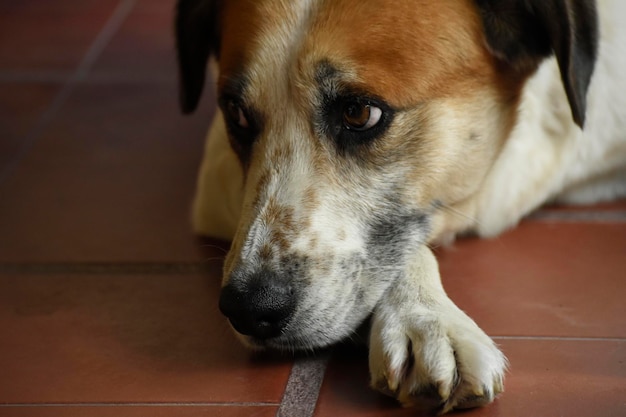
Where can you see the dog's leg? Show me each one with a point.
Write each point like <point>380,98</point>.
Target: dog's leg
<point>425,351</point>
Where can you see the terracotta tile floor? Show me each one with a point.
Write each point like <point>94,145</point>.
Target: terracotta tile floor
<point>108,303</point>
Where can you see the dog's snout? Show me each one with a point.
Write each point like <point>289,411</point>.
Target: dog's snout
<point>261,307</point>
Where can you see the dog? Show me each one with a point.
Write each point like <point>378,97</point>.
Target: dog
<point>353,134</point>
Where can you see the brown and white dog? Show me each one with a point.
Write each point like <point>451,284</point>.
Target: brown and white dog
<point>353,133</point>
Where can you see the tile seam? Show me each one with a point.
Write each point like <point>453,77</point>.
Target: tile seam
<point>45,77</point>
<point>587,216</point>
<point>103,268</point>
<point>111,26</point>
<point>60,77</point>
<point>142,404</point>
<point>562,338</point>
<point>303,387</point>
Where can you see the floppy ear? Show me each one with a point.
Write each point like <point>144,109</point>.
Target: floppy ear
<point>197,37</point>
<point>523,32</point>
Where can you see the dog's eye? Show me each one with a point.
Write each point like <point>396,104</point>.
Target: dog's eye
<point>353,120</point>
<point>236,114</point>
<point>360,116</point>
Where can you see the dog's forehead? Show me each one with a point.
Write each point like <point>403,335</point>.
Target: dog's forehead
<point>259,40</point>
<point>401,50</point>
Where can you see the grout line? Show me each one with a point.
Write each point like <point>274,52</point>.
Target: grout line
<point>107,268</point>
<point>109,29</point>
<point>587,216</point>
<point>60,77</point>
<point>562,338</point>
<point>43,77</point>
<point>145,404</point>
<point>118,17</point>
<point>303,387</point>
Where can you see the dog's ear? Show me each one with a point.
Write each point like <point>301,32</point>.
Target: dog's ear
<point>523,32</point>
<point>197,38</point>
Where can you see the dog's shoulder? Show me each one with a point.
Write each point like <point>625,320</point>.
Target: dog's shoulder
<point>547,156</point>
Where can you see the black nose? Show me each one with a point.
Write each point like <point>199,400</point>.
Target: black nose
<point>261,307</point>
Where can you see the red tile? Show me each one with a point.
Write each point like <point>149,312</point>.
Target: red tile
<point>546,279</point>
<point>44,7</point>
<point>21,106</point>
<point>110,180</point>
<point>547,378</point>
<point>126,339</point>
<point>563,378</point>
<point>345,390</point>
<point>149,30</point>
<point>49,35</point>
<point>139,411</point>
<point>162,6</point>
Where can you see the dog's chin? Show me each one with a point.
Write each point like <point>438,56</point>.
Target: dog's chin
<point>284,343</point>
<point>281,344</point>
<point>299,343</point>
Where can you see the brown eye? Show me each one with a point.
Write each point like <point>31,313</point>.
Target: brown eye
<point>360,116</point>
<point>236,114</point>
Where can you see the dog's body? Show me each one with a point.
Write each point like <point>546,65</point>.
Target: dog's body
<point>354,132</point>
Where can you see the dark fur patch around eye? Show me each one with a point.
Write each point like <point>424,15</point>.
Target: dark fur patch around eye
<point>349,141</point>
<point>241,138</point>
<point>334,96</point>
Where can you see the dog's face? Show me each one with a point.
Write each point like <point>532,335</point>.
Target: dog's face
<point>356,123</point>
<point>352,134</point>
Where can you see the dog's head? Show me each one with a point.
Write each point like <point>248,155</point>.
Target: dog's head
<point>355,121</point>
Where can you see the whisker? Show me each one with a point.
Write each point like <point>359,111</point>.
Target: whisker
<point>207,245</point>
<point>459,213</point>
<point>433,246</point>
<point>216,258</point>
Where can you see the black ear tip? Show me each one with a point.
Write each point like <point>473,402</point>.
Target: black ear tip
<point>579,118</point>
<point>191,85</point>
<point>196,28</point>
<point>187,110</point>
<point>577,103</point>
<point>187,106</point>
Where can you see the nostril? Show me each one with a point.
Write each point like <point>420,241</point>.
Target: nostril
<point>270,316</point>
<point>261,308</point>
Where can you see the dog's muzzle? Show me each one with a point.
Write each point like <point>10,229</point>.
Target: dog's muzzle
<point>260,305</point>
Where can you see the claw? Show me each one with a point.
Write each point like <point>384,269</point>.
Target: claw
<point>382,386</point>
<point>478,398</point>
<point>426,399</point>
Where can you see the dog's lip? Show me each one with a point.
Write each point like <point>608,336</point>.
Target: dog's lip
<point>288,343</point>
<point>277,342</point>
<point>264,328</point>
<point>280,343</point>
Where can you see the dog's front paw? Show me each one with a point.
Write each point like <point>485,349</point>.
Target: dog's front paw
<point>434,360</point>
